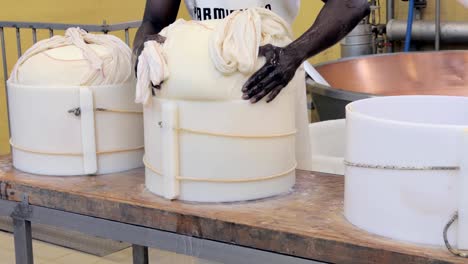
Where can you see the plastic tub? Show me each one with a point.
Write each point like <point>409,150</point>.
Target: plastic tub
<point>406,169</point>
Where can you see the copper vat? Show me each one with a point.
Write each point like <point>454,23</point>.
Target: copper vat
<point>424,73</point>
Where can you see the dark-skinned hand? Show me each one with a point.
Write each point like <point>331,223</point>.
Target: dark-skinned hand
<point>279,69</point>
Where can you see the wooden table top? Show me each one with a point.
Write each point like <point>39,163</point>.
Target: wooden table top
<point>307,223</point>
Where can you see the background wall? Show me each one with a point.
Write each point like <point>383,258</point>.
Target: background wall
<point>113,11</point>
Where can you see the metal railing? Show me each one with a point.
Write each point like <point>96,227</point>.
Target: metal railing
<point>21,27</point>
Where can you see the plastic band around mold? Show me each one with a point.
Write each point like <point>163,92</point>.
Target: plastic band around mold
<point>171,174</point>
<point>214,134</point>
<point>118,111</point>
<point>403,168</point>
<point>77,111</point>
<point>71,153</point>
<point>257,179</point>
<point>235,136</point>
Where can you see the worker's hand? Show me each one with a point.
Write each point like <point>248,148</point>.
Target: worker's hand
<point>279,69</point>
<point>139,48</point>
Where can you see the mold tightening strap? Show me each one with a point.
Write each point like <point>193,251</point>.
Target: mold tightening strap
<point>23,149</point>
<point>88,134</point>
<point>303,147</point>
<point>215,134</point>
<point>170,135</point>
<point>402,168</point>
<point>238,180</point>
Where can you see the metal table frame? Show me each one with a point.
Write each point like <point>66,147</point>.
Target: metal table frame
<point>140,237</point>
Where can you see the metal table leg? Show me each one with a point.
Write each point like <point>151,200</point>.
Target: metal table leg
<point>140,254</point>
<point>140,235</point>
<point>23,241</point>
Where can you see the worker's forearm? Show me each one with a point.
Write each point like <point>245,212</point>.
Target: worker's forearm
<point>158,15</point>
<point>146,29</point>
<point>335,21</point>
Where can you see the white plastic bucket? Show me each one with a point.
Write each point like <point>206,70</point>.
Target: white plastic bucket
<point>406,169</point>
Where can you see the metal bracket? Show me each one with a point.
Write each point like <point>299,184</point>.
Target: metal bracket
<point>452,250</point>
<point>22,210</point>
<point>3,190</point>
<point>105,27</point>
<point>75,111</point>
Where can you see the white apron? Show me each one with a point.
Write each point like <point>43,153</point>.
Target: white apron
<point>219,9</point>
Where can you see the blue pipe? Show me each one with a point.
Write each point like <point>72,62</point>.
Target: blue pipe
<point>409,26</point>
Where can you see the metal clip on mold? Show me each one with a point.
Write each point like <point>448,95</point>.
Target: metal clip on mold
<point>75,111</point>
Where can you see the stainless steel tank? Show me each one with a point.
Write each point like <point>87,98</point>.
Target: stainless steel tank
<point>358,42</point>
<point>425,73</point>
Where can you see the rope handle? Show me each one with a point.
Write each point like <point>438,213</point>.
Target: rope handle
<point>214,134</point>
<point>452,250</point>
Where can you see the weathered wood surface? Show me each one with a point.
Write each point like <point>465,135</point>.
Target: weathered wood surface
<point>307,223</point>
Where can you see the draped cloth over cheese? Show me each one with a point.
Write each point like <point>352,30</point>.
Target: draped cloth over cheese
<point>109,66</point>
<point>230,45</point>
<point>71,108</point>
<point>201,68</point>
